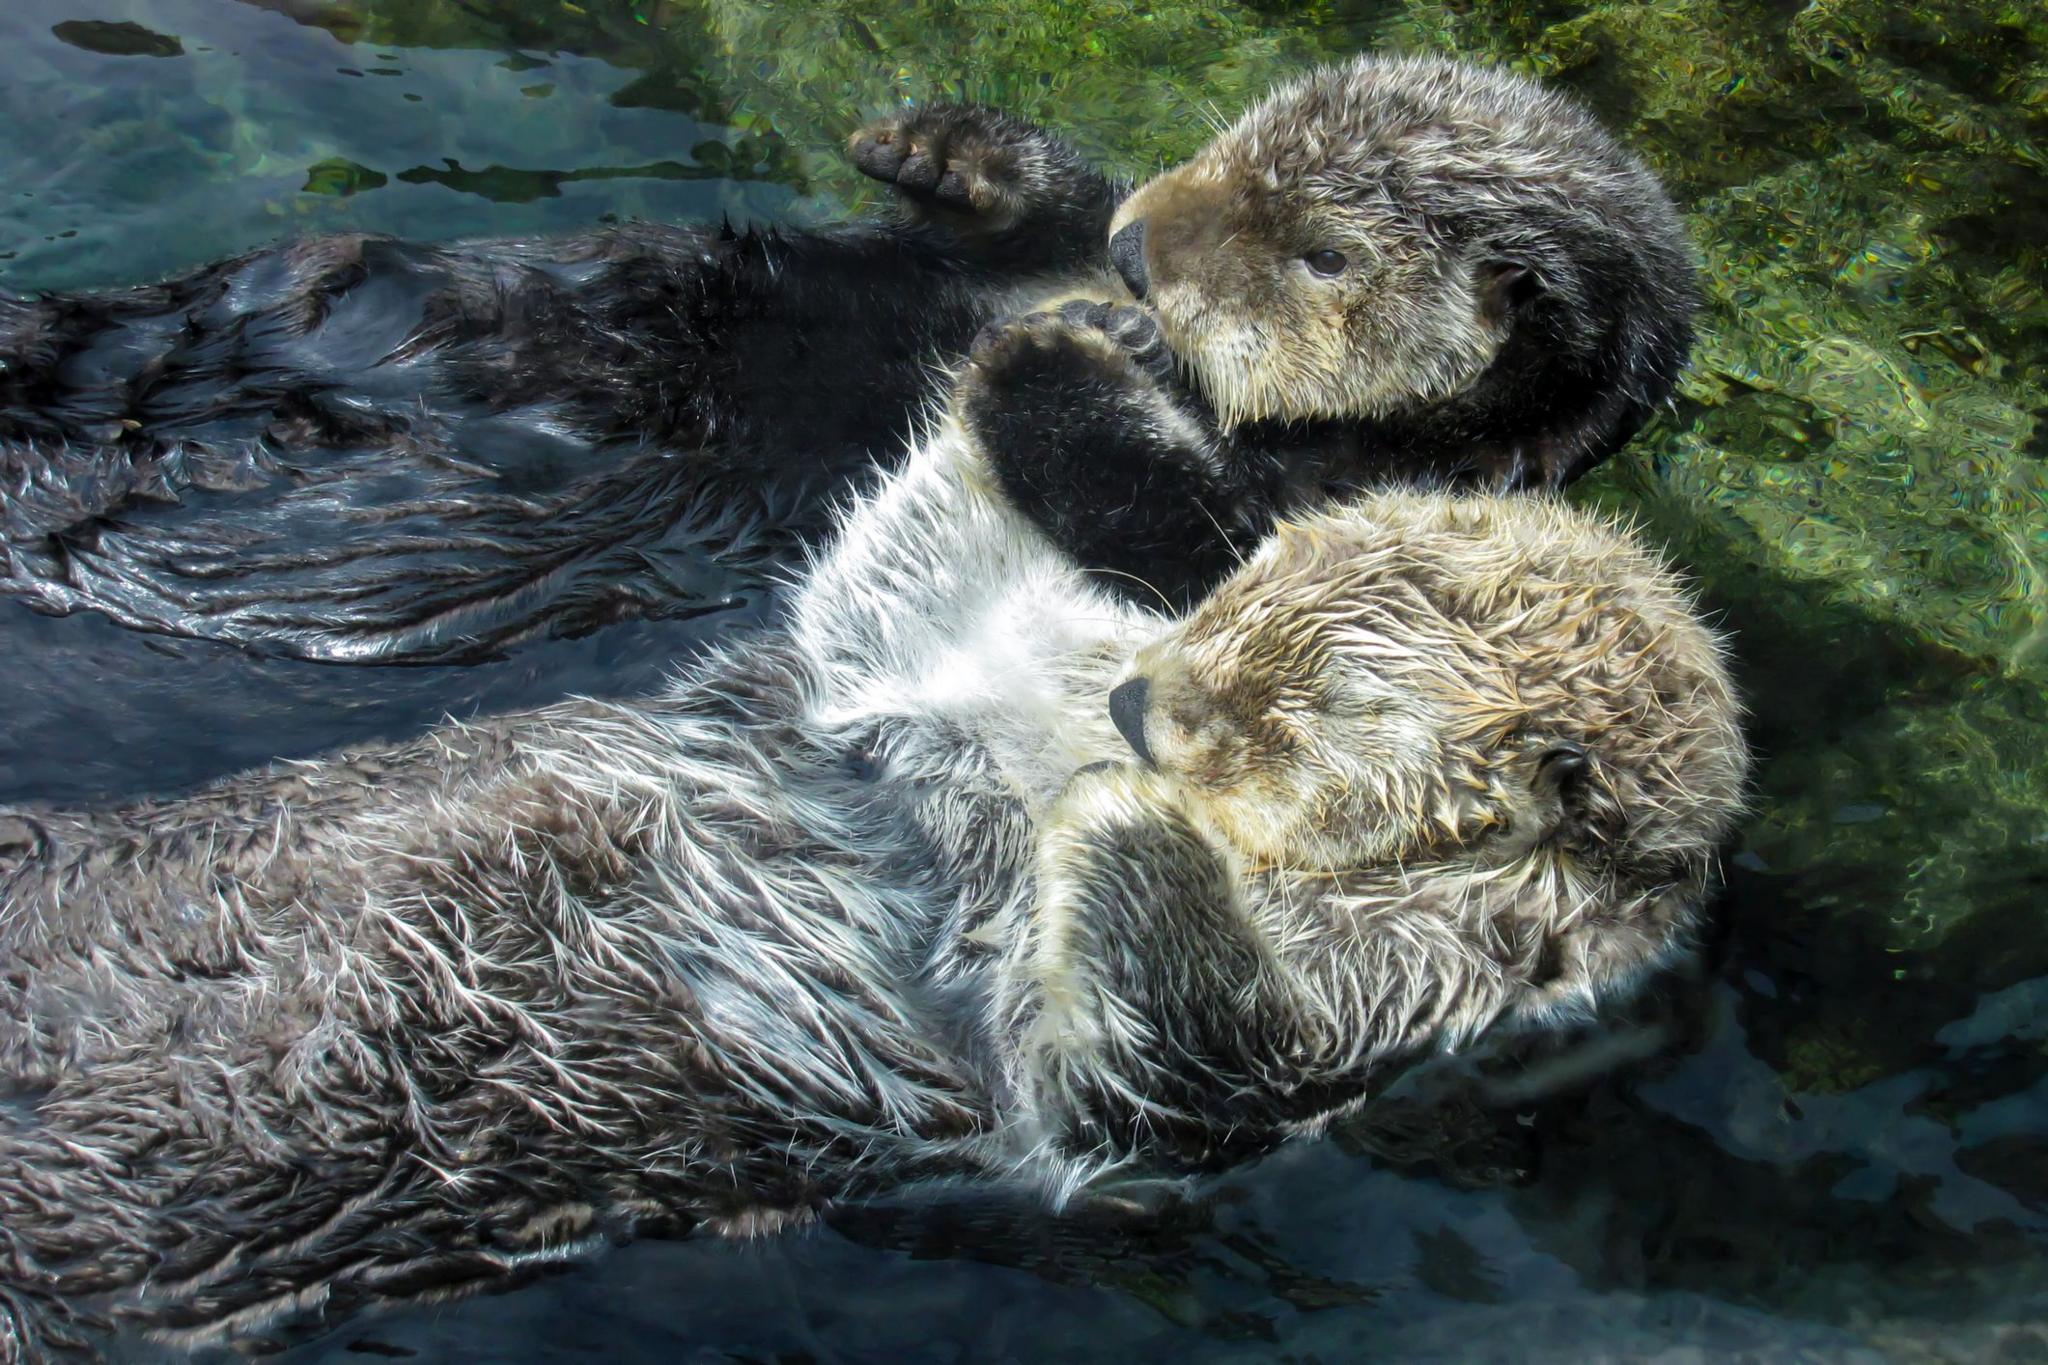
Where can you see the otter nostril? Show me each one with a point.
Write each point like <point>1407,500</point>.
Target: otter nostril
<point>1127,254</point>
<point>1127,713</point>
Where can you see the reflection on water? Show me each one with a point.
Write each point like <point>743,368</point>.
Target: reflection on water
<point>1830,1141</point>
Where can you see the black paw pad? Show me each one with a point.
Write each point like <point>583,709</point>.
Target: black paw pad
<point>953,190</point>
<point>1083,313</point>
<point>1133,329</point>
<point>920,171</point>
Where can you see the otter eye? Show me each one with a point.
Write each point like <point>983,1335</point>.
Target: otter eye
<point>1326,262</point>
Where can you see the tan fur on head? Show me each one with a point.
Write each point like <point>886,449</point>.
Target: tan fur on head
<point>1264,335</point>
<point>1502,696</point>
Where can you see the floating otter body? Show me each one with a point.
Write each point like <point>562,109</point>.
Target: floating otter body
<point>362,450</point>
<point>973,869</point>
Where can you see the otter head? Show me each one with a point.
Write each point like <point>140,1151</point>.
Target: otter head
<point>1498,716</point>
<point>1446,249</point>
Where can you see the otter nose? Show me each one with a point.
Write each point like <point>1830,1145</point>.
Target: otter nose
<point>1127,713</point>
<point>1127,254</point>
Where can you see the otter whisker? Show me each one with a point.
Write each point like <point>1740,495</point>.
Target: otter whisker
<point>1165,602</point>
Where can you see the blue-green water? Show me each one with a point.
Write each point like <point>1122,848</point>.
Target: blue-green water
<point>1829,1142</point>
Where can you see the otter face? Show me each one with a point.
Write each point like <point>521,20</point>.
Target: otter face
<point>1286,304</point>
<point>1491,682</point>
<point>1424,764</point>
<point>1318,722</point>
<point>1394,236</point>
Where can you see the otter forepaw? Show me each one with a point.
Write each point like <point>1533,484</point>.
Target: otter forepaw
<point>1106,801</point>
<point>1138,948</point>
<point>1134,329</point>
<point>1075,412</point>
<point>1080,350</point>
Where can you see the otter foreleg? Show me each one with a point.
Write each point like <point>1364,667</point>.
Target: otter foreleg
<point>1152,1014</point>
<point>1077,414</point>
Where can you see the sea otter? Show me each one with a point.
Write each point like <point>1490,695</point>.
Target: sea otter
<point>359,449</point>
<point>1405,269</point>
<point>970,869</point>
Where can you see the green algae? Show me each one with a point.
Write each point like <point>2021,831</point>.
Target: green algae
<point>338,175</point>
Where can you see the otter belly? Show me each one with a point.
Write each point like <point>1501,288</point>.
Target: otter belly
<point>1022,677</point>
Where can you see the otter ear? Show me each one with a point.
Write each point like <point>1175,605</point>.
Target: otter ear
<point>1506,285</point>
<point>1561,770</point>
<point>1557,786</point>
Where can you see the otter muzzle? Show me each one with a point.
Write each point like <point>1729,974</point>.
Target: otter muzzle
<point>1127,254</point>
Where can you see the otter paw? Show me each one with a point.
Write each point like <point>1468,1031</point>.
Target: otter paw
<point>1090,441</point>
<point>960,163</point>
<point>1108,343</point>
<point>1133,329</point>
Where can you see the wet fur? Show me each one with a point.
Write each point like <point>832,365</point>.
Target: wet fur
<point>875,898</point>
<point>358,449</point>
